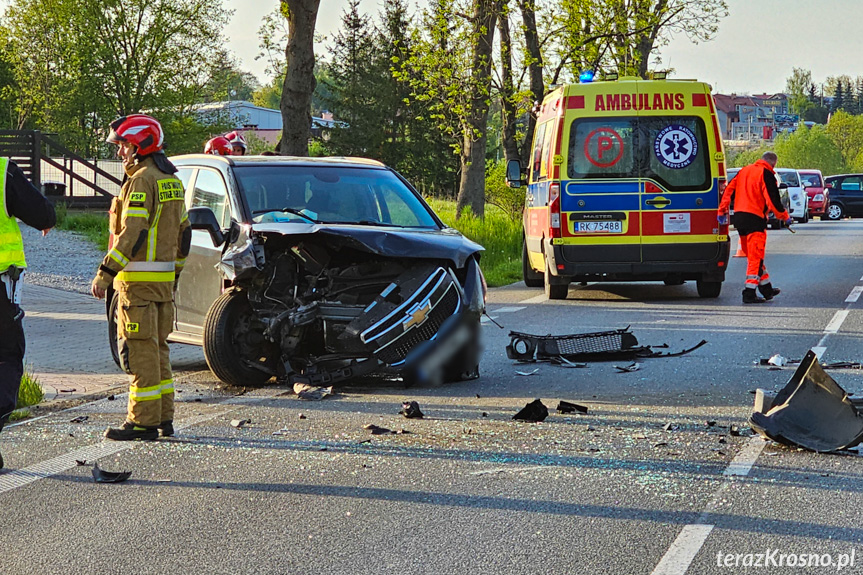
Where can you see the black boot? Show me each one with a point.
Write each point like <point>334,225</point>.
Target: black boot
<point>1,461</point>
<point>166,429</point>
<point>768,291</point>
<point>749,296</point>
<point>129,431</point>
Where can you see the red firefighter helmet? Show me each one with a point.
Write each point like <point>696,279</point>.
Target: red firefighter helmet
<point>219,146</point>
<point>236,139</point>
<point>139,129</point>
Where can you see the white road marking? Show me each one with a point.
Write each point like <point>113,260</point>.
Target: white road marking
<point>819,350</point>
<point>682,552</point>
<point>854,295</point>
<point>535,299</point>
<point>679,556</point>
<point>836,322</point>
<point>510,309</point>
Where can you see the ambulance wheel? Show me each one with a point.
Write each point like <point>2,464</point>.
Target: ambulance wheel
<point>532,279</point>
<point>112,330</point>
<point>554,291</point>
<point>708,289</point>
<point>234,344</point>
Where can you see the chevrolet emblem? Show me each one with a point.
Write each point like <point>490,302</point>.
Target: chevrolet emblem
<point>417,315</point>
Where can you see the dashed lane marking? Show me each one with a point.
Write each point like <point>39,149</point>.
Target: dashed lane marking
<point>836,322</point>
<point>535,299</point>
<point>510,309</point>
<point>854,295</point>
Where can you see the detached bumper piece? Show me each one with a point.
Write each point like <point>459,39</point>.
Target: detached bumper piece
<point>812,411</point>
<point>602,345</point>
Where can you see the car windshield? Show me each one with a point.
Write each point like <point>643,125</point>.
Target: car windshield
<point>789,178</point>
<point>811,180</point>
<point>331,195</point>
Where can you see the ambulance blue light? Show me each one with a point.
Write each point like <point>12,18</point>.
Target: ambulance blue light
<point>586,77</point>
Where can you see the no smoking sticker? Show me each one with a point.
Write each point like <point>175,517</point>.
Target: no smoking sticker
<point>675,146</point>
<point>603,147</point>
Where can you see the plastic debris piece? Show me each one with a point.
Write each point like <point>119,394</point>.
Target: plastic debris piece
<point>411,410</point>
<point>238,423</point>
<point>301,416</point>
<point>534,411</point>
<point>111,397</point>
<point>710,423</point>
<point>567,407</point>
<point>80,462</point>
<point>563,362</point>
<point>628,368</point>
<point>777,360</point>
<point>102,476</point>
<point>527,373</point>
<point>377,430</point>
<point>80,419</point>
<point>812,411</point>
<point>670,427</point>
<point>311,392</point>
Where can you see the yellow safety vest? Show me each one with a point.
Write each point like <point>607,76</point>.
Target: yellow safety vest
<point>11,244</point>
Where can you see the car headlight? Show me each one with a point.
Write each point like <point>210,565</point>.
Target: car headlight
<point>818,198</point>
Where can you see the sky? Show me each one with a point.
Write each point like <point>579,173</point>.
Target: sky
<point>757,46</point>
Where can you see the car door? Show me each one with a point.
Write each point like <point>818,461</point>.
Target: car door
<point>849,191</point>
<point>200,283</point>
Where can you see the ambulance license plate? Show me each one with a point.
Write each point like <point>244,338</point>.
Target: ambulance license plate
<point>607,227</point>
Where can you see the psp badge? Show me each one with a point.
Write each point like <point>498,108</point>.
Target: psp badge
<point>675,146</point>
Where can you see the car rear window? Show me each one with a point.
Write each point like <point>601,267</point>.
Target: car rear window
<point>811,180</point>
<point>789,178</point>
<point>672,150</point>
<point>331,194</point>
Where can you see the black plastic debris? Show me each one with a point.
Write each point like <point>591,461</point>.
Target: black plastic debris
<point>628,368</point>
<point>812,411</point>
<point>598,346</point>
<point>567,407</point>
<point>376,430</point>
<point>80,419</point>
<point>102,476</point>
<point>534,411</point>
<point>411,410</point>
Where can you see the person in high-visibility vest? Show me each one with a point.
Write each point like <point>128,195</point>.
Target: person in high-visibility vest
<point>151,241</point>
<point>19,199</point>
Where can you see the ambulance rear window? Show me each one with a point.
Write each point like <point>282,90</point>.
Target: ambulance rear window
<point>672,150</point>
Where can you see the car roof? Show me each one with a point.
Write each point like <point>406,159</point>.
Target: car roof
<point>842,175</point>
<point>331,161</point>
<point>809,171</point>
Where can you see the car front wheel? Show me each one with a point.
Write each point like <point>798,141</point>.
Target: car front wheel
<point>234,344</point>
<point>835,212</point>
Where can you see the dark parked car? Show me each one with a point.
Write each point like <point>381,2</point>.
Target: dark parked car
<point>846,196</point>
<point>322,269</point>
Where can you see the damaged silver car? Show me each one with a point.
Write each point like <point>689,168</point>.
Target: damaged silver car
<point>317,270</point>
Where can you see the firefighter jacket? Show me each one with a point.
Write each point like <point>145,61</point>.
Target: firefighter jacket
<point>151,234</point>
<point>754,192</point>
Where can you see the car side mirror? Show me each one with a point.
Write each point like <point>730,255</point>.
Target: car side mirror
<point>513,174</point>
<point>783,186</point>
<point>202,218</point>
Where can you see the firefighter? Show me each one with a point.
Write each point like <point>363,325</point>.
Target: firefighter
<point>754,192</point>
<point>18,199</point>
<point>219,146</point>
<point>151,240</point>
<point>238,143</point>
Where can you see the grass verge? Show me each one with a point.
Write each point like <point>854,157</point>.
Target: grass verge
<point>498,233</point>
<point>92,225</point>
<point>29,394</point>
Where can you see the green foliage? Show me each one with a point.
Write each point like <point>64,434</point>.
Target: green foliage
<point>846,132</point>
<point>796,86</point>
<point>497,193</point>
<point>498,232</point>
<point>93,226</point>
<point>184,134</point>
<point>745,158</point>
<point>809,148</point>
<point>227,81</point>
<point>318,149</point>
<point>29,394</point>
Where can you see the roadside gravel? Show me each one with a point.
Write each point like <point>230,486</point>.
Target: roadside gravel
<point>62,259</point>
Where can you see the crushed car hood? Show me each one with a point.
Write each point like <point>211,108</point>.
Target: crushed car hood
<point>445,244</point>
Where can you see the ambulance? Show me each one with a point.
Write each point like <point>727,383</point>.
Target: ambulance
<point>623,184</point>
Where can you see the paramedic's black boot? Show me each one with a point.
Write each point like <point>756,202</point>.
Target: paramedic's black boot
<point>768,291</point>
<point>166,429</point>
<point>1,461</point>
<point>749,296</point>
<point>130,431</point>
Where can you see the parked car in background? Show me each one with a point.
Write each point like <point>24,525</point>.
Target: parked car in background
<point>317,270</point>
<point>819,195</point>
<point>799,200</point>
<point>846,196</point>
<point>772,220</point>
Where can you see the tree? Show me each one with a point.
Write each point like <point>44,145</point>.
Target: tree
<point>227,81</point>
<point>846,132</point>
<point>797,87</point>
<point>299,76</point>
<point>809,148</point>
<point>838,97</point>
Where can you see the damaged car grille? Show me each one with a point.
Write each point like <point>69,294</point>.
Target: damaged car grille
<point>417,320</point>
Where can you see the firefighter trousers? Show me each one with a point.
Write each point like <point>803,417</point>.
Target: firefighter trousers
<point>11,355</point>
<point>142,333</point>
<point>754,245</point>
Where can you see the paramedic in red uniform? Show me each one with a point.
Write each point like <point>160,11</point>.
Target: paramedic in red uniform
<point>754,192</point>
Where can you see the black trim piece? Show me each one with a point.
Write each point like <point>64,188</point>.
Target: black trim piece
<point>107,270</point>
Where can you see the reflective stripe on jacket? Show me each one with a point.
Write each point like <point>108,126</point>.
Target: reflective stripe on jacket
<point>11,243</point>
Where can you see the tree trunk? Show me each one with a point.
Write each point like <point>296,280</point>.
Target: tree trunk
<point>510,146</point>
<point>296,102</point>
<point>471,190</point>
<point>537,86</point>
